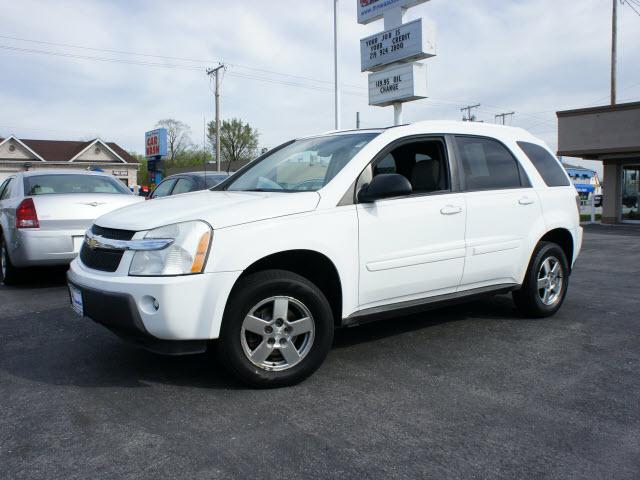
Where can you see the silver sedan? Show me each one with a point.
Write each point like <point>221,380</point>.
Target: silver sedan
<point>44,215</point>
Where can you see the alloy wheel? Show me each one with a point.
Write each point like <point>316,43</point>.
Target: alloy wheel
<point>277,333</point>
<point>550,281</point>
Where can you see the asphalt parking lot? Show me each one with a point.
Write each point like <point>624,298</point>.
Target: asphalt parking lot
<point>464,392</point>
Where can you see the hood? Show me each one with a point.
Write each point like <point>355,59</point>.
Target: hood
<point>219,208</point>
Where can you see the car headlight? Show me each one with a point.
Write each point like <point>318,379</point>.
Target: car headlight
<point>186,255</point>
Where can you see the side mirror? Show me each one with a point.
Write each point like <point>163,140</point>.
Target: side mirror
<point>385,185</point>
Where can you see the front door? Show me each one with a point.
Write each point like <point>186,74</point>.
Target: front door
<point>412,247</point>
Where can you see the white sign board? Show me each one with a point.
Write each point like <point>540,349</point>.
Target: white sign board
<point>370,10</point>
<point>397,84</point>
<point>406,43</point>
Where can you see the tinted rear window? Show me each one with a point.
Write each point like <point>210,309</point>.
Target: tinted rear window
<point>547,165</point>
<point>51,184</point>
<point>488,165</point>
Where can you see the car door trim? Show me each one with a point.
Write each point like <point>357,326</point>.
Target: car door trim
<point>422,304</point>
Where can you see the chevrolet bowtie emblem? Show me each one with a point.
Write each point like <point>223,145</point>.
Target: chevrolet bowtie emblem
<point>92,243</point>
<point>93,204</point>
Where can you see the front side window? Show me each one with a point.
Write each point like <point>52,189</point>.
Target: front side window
<point>72,183</point>
<point>487,165</point>
<point>547,165</point>
<point>422,162</point>
<point>304,165</point>
<point>164,188</point>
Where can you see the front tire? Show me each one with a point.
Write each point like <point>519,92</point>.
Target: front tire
<point>546,282</point>
<point>277,329</point>
<point>9,275</point>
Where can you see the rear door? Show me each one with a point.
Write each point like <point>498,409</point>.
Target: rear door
<point>502,208</point>
<point>412,247</point>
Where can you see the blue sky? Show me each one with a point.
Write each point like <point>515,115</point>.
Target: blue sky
<point>533,57</point>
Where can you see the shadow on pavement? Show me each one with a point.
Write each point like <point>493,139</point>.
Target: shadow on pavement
<point>67,350</point>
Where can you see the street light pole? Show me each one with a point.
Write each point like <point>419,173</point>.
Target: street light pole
<point>336,77</point>
<point>614,48</point>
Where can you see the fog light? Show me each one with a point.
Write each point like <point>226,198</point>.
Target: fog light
<point>149,304</point>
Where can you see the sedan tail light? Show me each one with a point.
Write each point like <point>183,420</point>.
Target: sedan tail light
<point>26,215</point>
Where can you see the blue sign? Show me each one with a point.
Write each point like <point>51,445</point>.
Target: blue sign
<point>155,143</point>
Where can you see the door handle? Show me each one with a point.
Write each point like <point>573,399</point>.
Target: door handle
<point>450,210</point>
<point>525,201</point>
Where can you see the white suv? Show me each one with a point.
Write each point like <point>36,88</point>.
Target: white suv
<point>330,231</point>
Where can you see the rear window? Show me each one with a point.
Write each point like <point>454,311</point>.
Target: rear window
<point>547,165</point>
<point>52,184</point>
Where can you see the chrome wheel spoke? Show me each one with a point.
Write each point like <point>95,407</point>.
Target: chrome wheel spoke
<point>290,353</point>
<point>547,293</point>
<point>542,283</point>
<point>556,268</point>
<point>301,326</point>
<point>546,267</point>
<point>255,325</point>
<point>262,352</point>
<point>280,308</point>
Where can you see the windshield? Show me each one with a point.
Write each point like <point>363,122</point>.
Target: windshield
<point>72,183</point>
<point>302,166</point>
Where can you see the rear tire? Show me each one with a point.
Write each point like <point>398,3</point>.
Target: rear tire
<point>545,283</point>
<point>277,329</point>
<point>9,275</point>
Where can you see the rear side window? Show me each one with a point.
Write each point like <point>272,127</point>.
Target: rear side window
<point>164,188</point>
<point>548,167</point>
<point>488,165</point>
<point>51,184</point>
<point>183,185</point>
<point>213,180</point>
<point>5,189</point>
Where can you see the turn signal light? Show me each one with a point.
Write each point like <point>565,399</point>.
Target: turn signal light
<point>201,253</point>
<point>26,216</point>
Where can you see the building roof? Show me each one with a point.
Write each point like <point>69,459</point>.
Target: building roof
<point>65,150</point>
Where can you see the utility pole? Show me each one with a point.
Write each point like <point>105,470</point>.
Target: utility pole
<point>468,117</point>
<point>336,77</point>
<point>216,73</point>
<point>614,48</point>
<point>502,116</point>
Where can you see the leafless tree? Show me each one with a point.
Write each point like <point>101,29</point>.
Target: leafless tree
<point>178,136</point>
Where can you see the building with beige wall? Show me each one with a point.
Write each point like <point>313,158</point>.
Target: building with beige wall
<point>610,134</point>
<point>19,155</point>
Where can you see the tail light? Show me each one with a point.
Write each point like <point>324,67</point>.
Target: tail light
<point>26,216</point>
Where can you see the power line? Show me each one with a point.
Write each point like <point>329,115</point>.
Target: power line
<point>167,57</point>
<point>630,4</point>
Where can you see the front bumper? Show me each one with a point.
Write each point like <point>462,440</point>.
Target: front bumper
<point>31,248</point>
<point>190,307</point>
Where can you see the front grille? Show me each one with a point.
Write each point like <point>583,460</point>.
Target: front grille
<point>102,259</point>
<point>112,233</point>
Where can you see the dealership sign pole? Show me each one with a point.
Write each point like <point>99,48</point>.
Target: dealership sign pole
<point>392,55</point>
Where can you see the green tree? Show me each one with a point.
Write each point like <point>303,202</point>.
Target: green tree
<point>238,141</point>
<point>178,136</point>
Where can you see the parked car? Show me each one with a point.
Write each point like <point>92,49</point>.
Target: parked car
<point>188,182</point>
<point>399,220</point>
<point>44,215</point>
